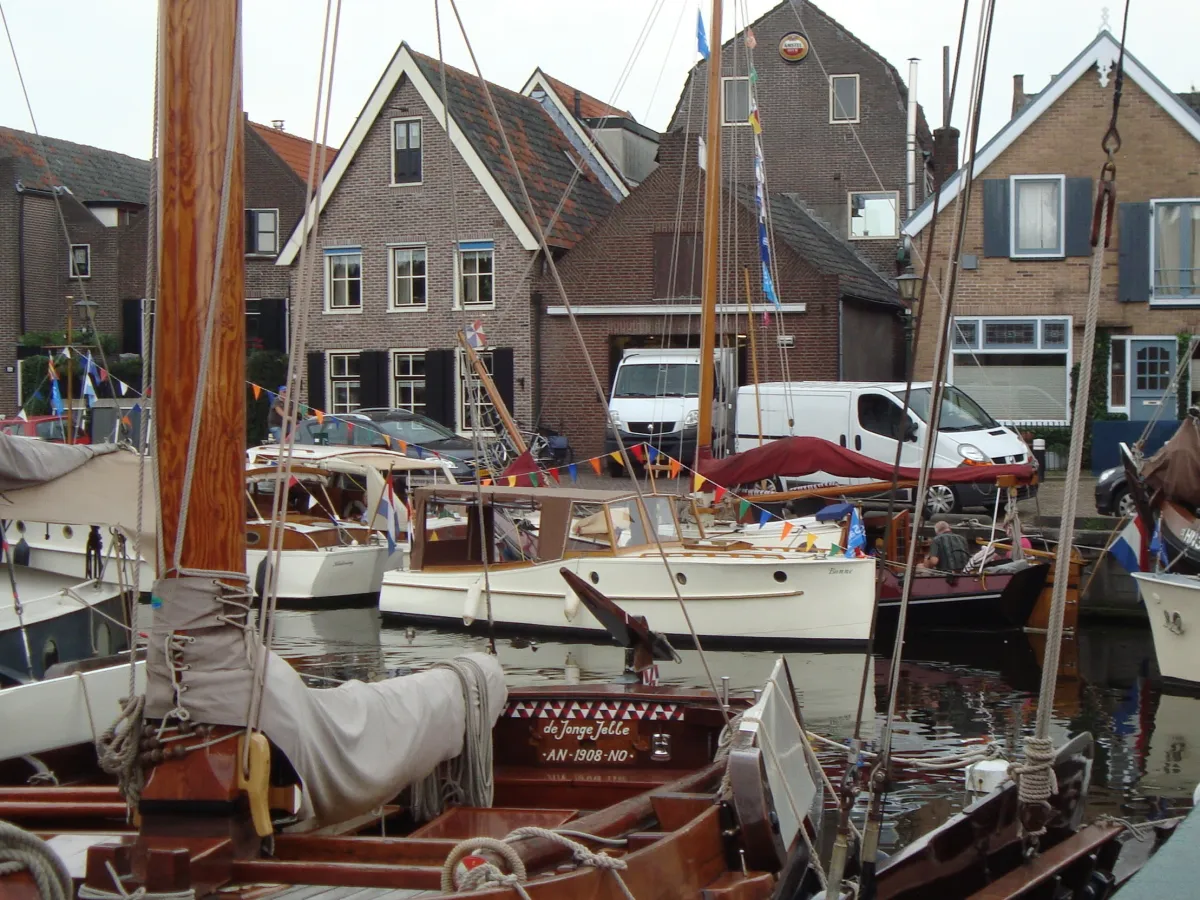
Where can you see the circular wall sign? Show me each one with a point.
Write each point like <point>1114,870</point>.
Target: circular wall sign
<point>793,47</point>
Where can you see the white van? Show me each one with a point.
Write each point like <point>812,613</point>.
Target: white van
<point>656,400</point>
<point>868,417</point>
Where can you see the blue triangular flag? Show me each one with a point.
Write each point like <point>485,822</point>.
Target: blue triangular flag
<point>701,40</point>
<point>763,517</point>
<point>651,452</point>
<point>56,401</point>
<point>574,472</point>
<point>137,408</point>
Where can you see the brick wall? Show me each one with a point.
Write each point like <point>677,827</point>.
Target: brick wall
<point>270,184</point>
<point>367,211</point>
<point>804,152</point>
<point>1158,159</point>
<point>10,315</point>
<point>614,265</point>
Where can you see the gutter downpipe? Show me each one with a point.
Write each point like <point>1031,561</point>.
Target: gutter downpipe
<point>910,198</point>
<point>21,255</point>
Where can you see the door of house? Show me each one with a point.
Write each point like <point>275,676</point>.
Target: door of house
<point>1152,364</point>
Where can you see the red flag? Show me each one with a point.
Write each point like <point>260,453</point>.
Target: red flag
<point>638,453</point>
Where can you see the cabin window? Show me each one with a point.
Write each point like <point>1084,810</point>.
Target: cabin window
<point>1037,216</point>
<point>81,261</point>
<point>1176,239</point>
<point>406,151</point>
<point>874,214</point>
<point>735,101</point>
<point>343,280</point>
<point>662,517</point>
<point>408,380</point>
<point>843,98</point>
<point>476,284</point>
<point>590,532</point>
<point>408,281</point>
<point>343,382</point>
<point>262,231</point>
<point>473,396</point>
<point>1016,368</point>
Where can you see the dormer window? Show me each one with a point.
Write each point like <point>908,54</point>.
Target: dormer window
<point>406,151</point>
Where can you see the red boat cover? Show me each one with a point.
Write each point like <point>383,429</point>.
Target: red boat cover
<point>796,457</point>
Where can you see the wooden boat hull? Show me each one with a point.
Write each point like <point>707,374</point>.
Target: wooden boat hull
<point>963,602</point>
<point>735,598</point>
<point>1173,605</point>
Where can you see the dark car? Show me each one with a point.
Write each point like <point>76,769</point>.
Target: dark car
<point>1112,493</point>
<point>368,427</point>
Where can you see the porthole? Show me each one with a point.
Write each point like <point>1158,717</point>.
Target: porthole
<point>102,644</point>
<point>68,532</point>
<point>681,578</point>
<point>49,654</point>
<point>21,527</point>
<point>780,576</point>
<point>252,537</point>
<point>595,576</point>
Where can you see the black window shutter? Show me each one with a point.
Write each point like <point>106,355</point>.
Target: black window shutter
<point>131,326</point>
<point>996,218</point>
<point>1079,217</point>
<point>502,375</point>
<point>271,324</point>
<point>439,386</point>
<point>251,233</point>
<point>316,380</point>
<point>1133,257</point>
<point>373,379</point>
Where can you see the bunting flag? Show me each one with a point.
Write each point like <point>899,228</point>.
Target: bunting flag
<point>751,43</point>
<point>125,420</point>
<point>89,391</point>
<point>123,386</point>
<point>834,549</point>
<point>595,461</point>
<point>350,432</point>
<point>56,401</point>
<point>697,482</point>
<point>754,120</point>
<point>272,397</point>
<point>486,482</point>
<point>652,452</point>
<point>810,539</point>
<point>763,517</point>
<point>555,476</point>
<point>636,450</point>
<point>22,415</point>
<point>787,529</point>
<point>701,38</point>
<point>718,493</point>
<point>136,408</point>
<point>753,75</point>
<point>53,371</point>
<point>512,480</point>
<point>533,479</point>
<point>257,391</point>
<point>743,508</point>
<point>417,449</point>
<point>615,455</point>
<point>403,445</point>
<point>103,373</point>
<point>89,365</point>
<point>676,466</point>
<point>573,471</point>
<point>320,417</point>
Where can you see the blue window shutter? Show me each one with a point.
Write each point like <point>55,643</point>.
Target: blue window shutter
<point>1079,217</point>
<point>1133,255</point>
<point>996,218</point>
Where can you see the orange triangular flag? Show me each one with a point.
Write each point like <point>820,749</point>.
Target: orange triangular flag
<point>257,390</point>
<point>787,529</point>
<point>320,417</point>
<point>486,482</point>
<point>595,461</point>
<point>676,465</point>
<point>403,446</point>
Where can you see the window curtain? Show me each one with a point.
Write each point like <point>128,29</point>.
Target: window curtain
<point>1167,246</point>
<point>1015,393</point>
<point>1037,215</point>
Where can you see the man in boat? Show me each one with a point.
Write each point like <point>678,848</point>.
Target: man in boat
<point>947,551</point>
<point>278,415</point>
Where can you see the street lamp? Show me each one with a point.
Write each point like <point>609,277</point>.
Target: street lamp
<point>908,284</point>
<point>87,309</point>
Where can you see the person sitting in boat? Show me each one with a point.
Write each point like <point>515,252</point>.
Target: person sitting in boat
<point>1026,544</point>
<point>947,551</point>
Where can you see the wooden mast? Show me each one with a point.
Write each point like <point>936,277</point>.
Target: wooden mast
<point>712,236</point>
<point>197,40</point>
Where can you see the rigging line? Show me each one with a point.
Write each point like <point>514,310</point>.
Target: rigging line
<point>683,8</point>
<point>541,236</point>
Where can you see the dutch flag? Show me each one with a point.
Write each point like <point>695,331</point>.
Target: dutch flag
<point>1130,548</point>
<point>389,508</point>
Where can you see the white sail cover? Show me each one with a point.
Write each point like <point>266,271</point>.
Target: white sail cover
<point>78,484</point>
<point>354,746</point>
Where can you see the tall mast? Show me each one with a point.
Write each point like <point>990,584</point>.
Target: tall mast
<point>712,235</point>
<point>197,43</point>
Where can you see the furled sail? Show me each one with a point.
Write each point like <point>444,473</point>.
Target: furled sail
<point>1175,469</point>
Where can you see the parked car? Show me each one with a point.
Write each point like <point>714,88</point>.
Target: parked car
<point>367,427</point>
<point>1112,493</point>
<point>48,428</point>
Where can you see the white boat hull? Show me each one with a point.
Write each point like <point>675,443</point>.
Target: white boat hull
<point>738,597</point>
<point>1173,604</point>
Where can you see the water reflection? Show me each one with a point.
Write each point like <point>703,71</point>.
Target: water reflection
<point>953,690</point>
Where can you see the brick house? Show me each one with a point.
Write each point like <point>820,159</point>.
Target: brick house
<point>634,281</point>
<point>101,194</point>
<point>423,231</point>
<point>1023,285</point>
<point>834,118</point>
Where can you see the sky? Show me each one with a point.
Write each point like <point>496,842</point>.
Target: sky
<point>89,64</point>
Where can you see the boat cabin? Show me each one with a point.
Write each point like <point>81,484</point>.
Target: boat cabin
<point>527,525</point>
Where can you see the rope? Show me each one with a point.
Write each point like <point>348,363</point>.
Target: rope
<point>22,851</point>
<point>117,749</point>
<point>945,762</point>
<point>90,893</point>
<point>467,778</point>
<point>1035,778</point>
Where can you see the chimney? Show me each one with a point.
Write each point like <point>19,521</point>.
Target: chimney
<point>277,124</point>
<point>945,154</point>
<point>578,103</point>
<point>1019,97</point>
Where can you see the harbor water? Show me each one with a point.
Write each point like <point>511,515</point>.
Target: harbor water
<point>955,690</point>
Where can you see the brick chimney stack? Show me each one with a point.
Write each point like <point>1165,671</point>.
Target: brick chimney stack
<point>945,154</point>
<point>1019,96</point>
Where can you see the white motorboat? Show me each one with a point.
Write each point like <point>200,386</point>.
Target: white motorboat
<point>608,537</point>
<point>1173,604</point>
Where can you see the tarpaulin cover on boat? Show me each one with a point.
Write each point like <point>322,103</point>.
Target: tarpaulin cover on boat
<point>25,462</point>
<point>354,746</point>
<point>1175,469</point>
<point>796,457</point>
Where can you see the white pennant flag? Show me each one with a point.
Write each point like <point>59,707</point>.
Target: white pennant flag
<point>123,386</point>
<point>702,153</point>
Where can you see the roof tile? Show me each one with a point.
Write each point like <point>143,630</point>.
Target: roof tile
<point>292,149</point>
<point>91,174</point>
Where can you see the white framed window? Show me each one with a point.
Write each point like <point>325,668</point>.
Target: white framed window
<point>1018,368</point>
<point>843,99</point>
<point>406,151</point>
<point>79,263</point>
<point>262,231</point>
<point>343,279</point>
<point>1175,251</point>
<point>342,366</point>
<point>476,284</point>
<point>735,100</point>
<point>1038,209</point>
<point>874,214</point>
<point>408,284</point>
<point>471,393</point>
<point>408,380</point>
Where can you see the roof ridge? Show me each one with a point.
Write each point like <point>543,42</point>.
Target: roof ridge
<point>492,85</point>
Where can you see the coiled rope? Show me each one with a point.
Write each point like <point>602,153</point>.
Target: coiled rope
<point>22,851</point>
<point>117,748</point>
<point>90,893</point>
